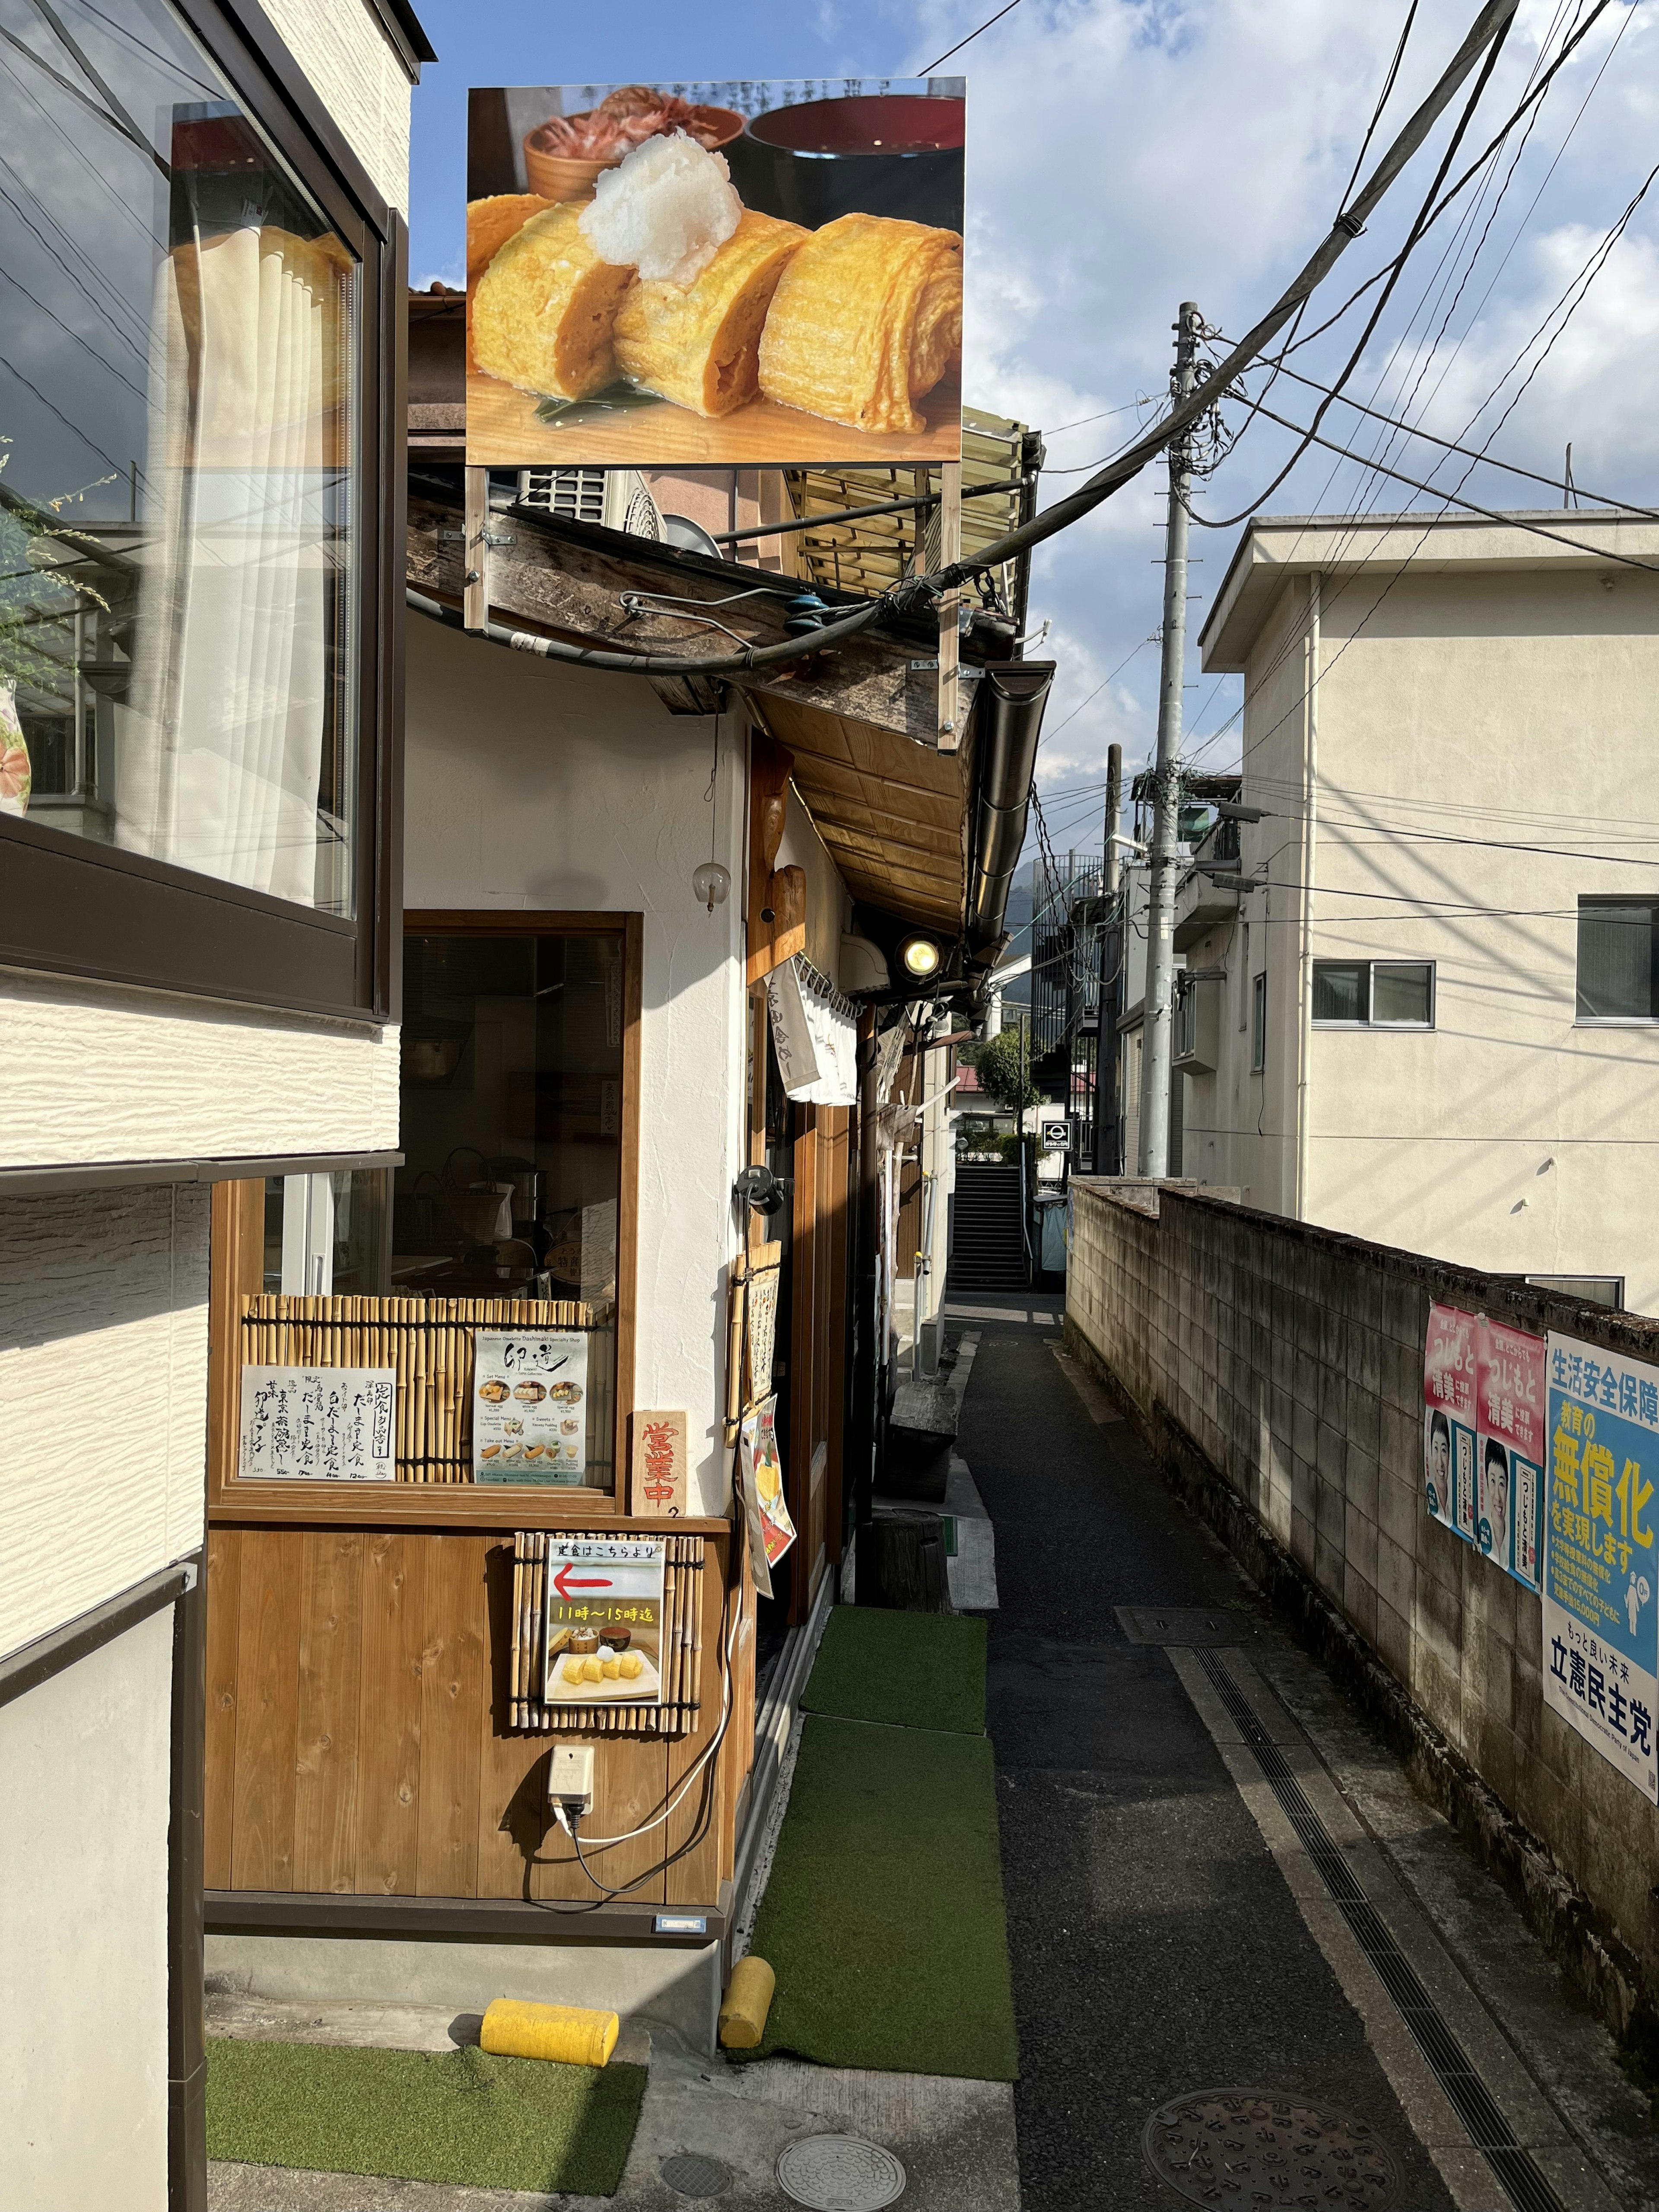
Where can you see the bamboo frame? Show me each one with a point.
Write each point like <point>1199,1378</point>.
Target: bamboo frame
<point>679,1650</point>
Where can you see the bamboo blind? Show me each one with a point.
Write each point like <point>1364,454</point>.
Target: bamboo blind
<point>429,1342</point>
<point>530,1713</point>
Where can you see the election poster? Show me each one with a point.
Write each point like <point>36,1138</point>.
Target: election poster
<point>1600,1658</point>
<point>1450,1362</point>
<point>1509,1449</point>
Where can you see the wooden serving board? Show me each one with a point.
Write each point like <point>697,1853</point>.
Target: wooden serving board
<point>644,1689</point>
<point>502,432</point>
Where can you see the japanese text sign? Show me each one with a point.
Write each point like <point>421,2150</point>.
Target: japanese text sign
<point>1450,1362</point>
<point>604,1619</point>
<point>530,1406</point>
<point>1510,1450</point>
<point>771,1531</point>
<point>660,1463</point>
<point>318,1424</point>
<point>1600,1648</point>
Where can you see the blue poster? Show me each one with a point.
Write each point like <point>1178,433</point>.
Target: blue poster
<point>1600,1655</point>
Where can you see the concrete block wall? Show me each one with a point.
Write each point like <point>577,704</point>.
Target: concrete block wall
<point>1289,1360</point>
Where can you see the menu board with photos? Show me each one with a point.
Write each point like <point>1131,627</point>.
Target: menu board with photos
<point>530,1406</point>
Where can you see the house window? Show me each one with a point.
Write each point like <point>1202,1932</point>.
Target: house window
<point>190,551</point>
<point>1390,994</point>
<point>1618,968</point>
<point>1594,1289</point>
<point>518,1125</point>
<point>1258,1024</point>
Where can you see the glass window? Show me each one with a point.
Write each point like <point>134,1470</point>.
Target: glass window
<point>1402,993</point>
<point>1594,1289</point>
<point>1617,974</point>
<point>1374,994</point>
<point>511,1126</point>
<point>1342,991</point>
<point>1258,1024</point>
<point>178,398</point>
<point>325,1235</point>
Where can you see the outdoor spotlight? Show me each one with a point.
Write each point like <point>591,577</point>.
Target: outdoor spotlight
<point>711,881</point>
<point>920,956</point>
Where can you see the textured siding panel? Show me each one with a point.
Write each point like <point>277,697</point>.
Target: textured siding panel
<point>359,79</point>
<point>103,1396</point>
<point>93,1073</point>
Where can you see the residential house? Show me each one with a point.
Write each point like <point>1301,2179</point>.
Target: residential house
<point>201,598</point>
<point>1432,1017</point>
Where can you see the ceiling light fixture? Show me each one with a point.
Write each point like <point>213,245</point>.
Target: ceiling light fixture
<point>920,956</point>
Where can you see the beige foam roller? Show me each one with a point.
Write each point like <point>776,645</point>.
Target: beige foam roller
<point>866,320</point>
<point>697,343</point>
<point>543,311</point>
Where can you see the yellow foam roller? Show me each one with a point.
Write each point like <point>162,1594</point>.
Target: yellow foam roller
<point>572,2033</point>
<point>747,2000</point>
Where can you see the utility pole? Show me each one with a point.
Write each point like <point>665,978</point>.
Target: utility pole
<point>1109,997</point>
<point>1158,1018</point>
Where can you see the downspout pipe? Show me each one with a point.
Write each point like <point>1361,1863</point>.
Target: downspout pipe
<point>1310,861</point>
<point>1009,711</point>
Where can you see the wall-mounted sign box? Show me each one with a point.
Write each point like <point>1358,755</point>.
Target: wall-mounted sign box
<point>318,1424</point>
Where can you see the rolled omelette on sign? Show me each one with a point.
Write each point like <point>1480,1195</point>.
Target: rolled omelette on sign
<point>542,311</point>
<point>866,321</point>
<point>697,343</point>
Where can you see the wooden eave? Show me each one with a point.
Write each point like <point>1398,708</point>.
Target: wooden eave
<point>893,810</point>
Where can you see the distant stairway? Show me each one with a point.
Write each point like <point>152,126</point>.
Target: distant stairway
<point>987,1252</point>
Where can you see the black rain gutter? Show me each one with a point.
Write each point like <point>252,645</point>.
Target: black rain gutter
<point>1011,698</point>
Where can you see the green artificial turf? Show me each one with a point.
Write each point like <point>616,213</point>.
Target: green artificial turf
<point>919,1670</point>
<point>882,1919</point>
<point>459,2116</point>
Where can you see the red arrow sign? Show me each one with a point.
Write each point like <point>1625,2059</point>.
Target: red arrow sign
<point>564,1585</point>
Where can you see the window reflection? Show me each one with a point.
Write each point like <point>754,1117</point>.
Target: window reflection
<point>178,375</point>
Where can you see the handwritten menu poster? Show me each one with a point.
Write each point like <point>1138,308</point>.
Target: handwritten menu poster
<point>318,1425</point>
<point>530,1406</point>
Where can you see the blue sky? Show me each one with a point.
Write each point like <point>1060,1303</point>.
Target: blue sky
<point>1124,155</point>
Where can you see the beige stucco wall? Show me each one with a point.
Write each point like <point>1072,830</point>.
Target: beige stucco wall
<point>342,48</point>
<point>1512,709</point>
<point>534,787</point>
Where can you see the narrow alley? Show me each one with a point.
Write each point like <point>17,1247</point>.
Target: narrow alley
<point>1170,1929</point>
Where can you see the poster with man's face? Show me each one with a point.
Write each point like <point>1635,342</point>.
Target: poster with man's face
<point>1450,1359</point>
<point>1510,1450</point>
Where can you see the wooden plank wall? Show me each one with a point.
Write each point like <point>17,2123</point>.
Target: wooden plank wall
<point>357,1680</point>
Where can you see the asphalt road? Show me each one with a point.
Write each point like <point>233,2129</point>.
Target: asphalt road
<point>1156,1947</point>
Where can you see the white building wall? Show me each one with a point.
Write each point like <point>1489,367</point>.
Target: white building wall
<point>541,788</point>
<point>83,1930</point>
<point>1509,705</point>
<point>359,77</point>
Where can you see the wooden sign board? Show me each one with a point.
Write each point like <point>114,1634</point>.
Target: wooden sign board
<point>658,1463</point>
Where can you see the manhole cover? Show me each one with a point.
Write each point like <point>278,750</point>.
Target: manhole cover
<point>689,2173</point>
<point>1247,2148</point>
<point>1214,1625</point>
<point>840,2173</point>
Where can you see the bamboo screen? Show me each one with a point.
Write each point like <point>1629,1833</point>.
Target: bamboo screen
<point>429,1341</point>
<point>682,1646</point>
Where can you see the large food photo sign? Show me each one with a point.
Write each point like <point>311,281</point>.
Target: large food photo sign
<point>716,273</point>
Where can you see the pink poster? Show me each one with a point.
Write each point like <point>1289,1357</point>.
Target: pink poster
<point>1450,1363</point>
<point>1510,1451</point>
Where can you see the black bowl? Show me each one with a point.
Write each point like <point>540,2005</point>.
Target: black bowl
<point>888,154</point>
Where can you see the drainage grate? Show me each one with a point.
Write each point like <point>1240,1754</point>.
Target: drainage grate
<point>1248,2147</point>
<point>689,2173</point>
<point>1517,2173</point>
<point>1214,1625</point>
<point>839,2173</point>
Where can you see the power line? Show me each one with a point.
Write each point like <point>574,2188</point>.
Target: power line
<point>968,40</point>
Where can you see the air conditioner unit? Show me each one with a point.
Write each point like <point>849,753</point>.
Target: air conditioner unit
<point>616,499</point>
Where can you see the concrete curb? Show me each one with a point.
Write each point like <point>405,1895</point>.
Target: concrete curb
<point>1604,1972</point>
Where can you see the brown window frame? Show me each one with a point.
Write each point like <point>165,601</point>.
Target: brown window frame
<point>71,906</point>
<point>493,1505</point>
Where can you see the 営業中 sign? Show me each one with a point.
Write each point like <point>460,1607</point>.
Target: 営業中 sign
<point>530,1406</point>
<point>1601,1657</point>
<point>660,1463</point>
<point>318,1424</point>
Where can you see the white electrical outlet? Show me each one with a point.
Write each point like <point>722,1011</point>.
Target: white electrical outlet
<point>570,1776</point>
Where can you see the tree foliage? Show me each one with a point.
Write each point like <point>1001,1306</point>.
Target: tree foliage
<point>1005,1081</point>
